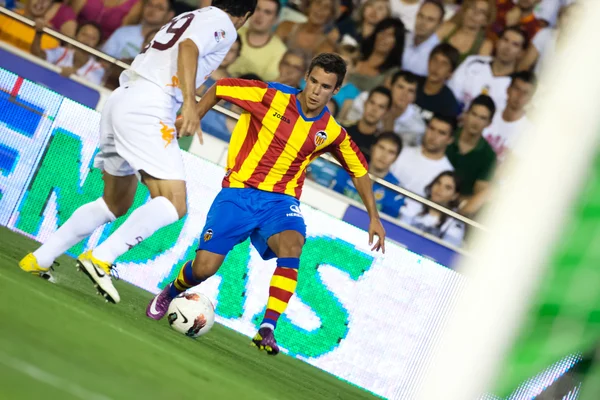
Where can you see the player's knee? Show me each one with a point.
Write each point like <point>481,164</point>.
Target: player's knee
<point>291,246</point>
<point>203,269</point>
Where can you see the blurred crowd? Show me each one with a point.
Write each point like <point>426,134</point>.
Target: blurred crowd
<point>436,96</point>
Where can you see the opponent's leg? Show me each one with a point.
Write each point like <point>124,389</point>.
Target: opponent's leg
<point>141,224</point>
<point>287,245</point>
<point>118,197</point>
<point>193,273</point>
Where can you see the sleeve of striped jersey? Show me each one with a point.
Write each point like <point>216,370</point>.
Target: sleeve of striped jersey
<point>242,92</point>
<point>348,154</point>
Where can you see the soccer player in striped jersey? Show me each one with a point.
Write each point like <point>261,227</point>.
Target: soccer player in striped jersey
<point>281,131</point>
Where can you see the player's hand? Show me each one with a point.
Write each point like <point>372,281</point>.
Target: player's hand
<point>189,121</point>
<point>376,229</point>
<point>179,122</point>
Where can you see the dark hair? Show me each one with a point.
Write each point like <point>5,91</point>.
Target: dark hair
<point>452,205</point>
<point>519,31</point>
<point>250,77</point>
<point>525,76</point>
<point>332,64</point>
<point>406,75</point>
<point>439,5</point>
<point>368,45</point>
<point>95,25</point>
<point>448,51</point>
<point>278,5</point>
<point>236,8</point>
<point>485,101</point>
<point>384,91</point>
<point>391,136</point>
<point>447,119</point>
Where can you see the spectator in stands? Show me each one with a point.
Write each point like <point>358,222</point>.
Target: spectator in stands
<point>261,49</point>
<point>466,31</point>
<point>292,67</point>
<point>111,80</point>
<point>385,151</point>
<point>543,46</point>
<point>406,11</point>
<point>548,11</point>
<point>108,14</point>
<point>433,96</point>
<point>60,17</point>
<point>416,167</point>
<point>471,155</point>
<point>21,35</point>
<point>126,42</point>
<point>73,61</point>
<point>490,75</point>
<point>380,54</point>
<point>364,132</point>
<point>445,191</point>
<point>512,122</point>
<point>311,36</point>
<point>421,41</point>
<point>519,14</point>
<point>354,30</point>
<point>404,116</point>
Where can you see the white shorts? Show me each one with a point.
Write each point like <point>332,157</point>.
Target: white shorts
<point>137,133</point>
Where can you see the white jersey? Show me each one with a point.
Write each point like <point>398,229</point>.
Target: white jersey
<point>474,77</point>
<point>502,135</point>
<point>210,28</point>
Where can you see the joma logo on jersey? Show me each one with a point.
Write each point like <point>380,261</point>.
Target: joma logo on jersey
<point>320,138</point>
<point>281,117</point>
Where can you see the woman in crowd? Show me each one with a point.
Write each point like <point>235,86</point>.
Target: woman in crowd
<point>354,30</point>
<point>318,34</point>
<point>466,31</point>
<point>62,18</point>
<point>109,14</point>
<point>380,55</point>
<point>445,191</point>
<point>73,61</point>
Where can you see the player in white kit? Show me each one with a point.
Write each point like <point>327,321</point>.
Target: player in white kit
<point>138,140</point>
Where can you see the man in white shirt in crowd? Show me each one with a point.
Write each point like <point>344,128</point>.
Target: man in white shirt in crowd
<point>262,50</point>
<point>509,124</point>
<point>416,167</point>
<point>404,117</point>
<point>419,43</point>
<point>406,10</point>
<point>490,75</point>
<point>126,42</point>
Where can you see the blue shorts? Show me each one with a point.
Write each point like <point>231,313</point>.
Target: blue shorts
<point>237,214</point>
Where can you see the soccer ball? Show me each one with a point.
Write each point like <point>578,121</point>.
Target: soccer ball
<point>192,314</point>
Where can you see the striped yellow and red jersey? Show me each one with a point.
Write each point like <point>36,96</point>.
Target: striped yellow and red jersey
<point>273,142</point>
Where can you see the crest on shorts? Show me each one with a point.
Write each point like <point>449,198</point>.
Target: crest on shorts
<point>208,235</point>
<point>320,138</point>
<point>220,35</point>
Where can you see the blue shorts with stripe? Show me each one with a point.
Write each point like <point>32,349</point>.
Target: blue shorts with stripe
<point>238,214</point>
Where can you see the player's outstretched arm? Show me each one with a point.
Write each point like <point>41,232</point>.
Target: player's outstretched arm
<point>187,66</point>
<point>365,190</point>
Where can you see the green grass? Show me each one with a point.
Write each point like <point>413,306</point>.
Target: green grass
<point>64,342</point>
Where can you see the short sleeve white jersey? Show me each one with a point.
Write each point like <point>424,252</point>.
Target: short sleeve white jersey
<point>212,31</point>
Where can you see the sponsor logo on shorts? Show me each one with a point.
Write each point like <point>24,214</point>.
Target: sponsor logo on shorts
<point>208,235</point>
<point>320,138</point>
<point>220,35</point>
<point>174,82</point>
<point>168,134</point>
<point>295,211</point>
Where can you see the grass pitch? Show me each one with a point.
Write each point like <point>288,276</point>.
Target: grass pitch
<point>64,342</point>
